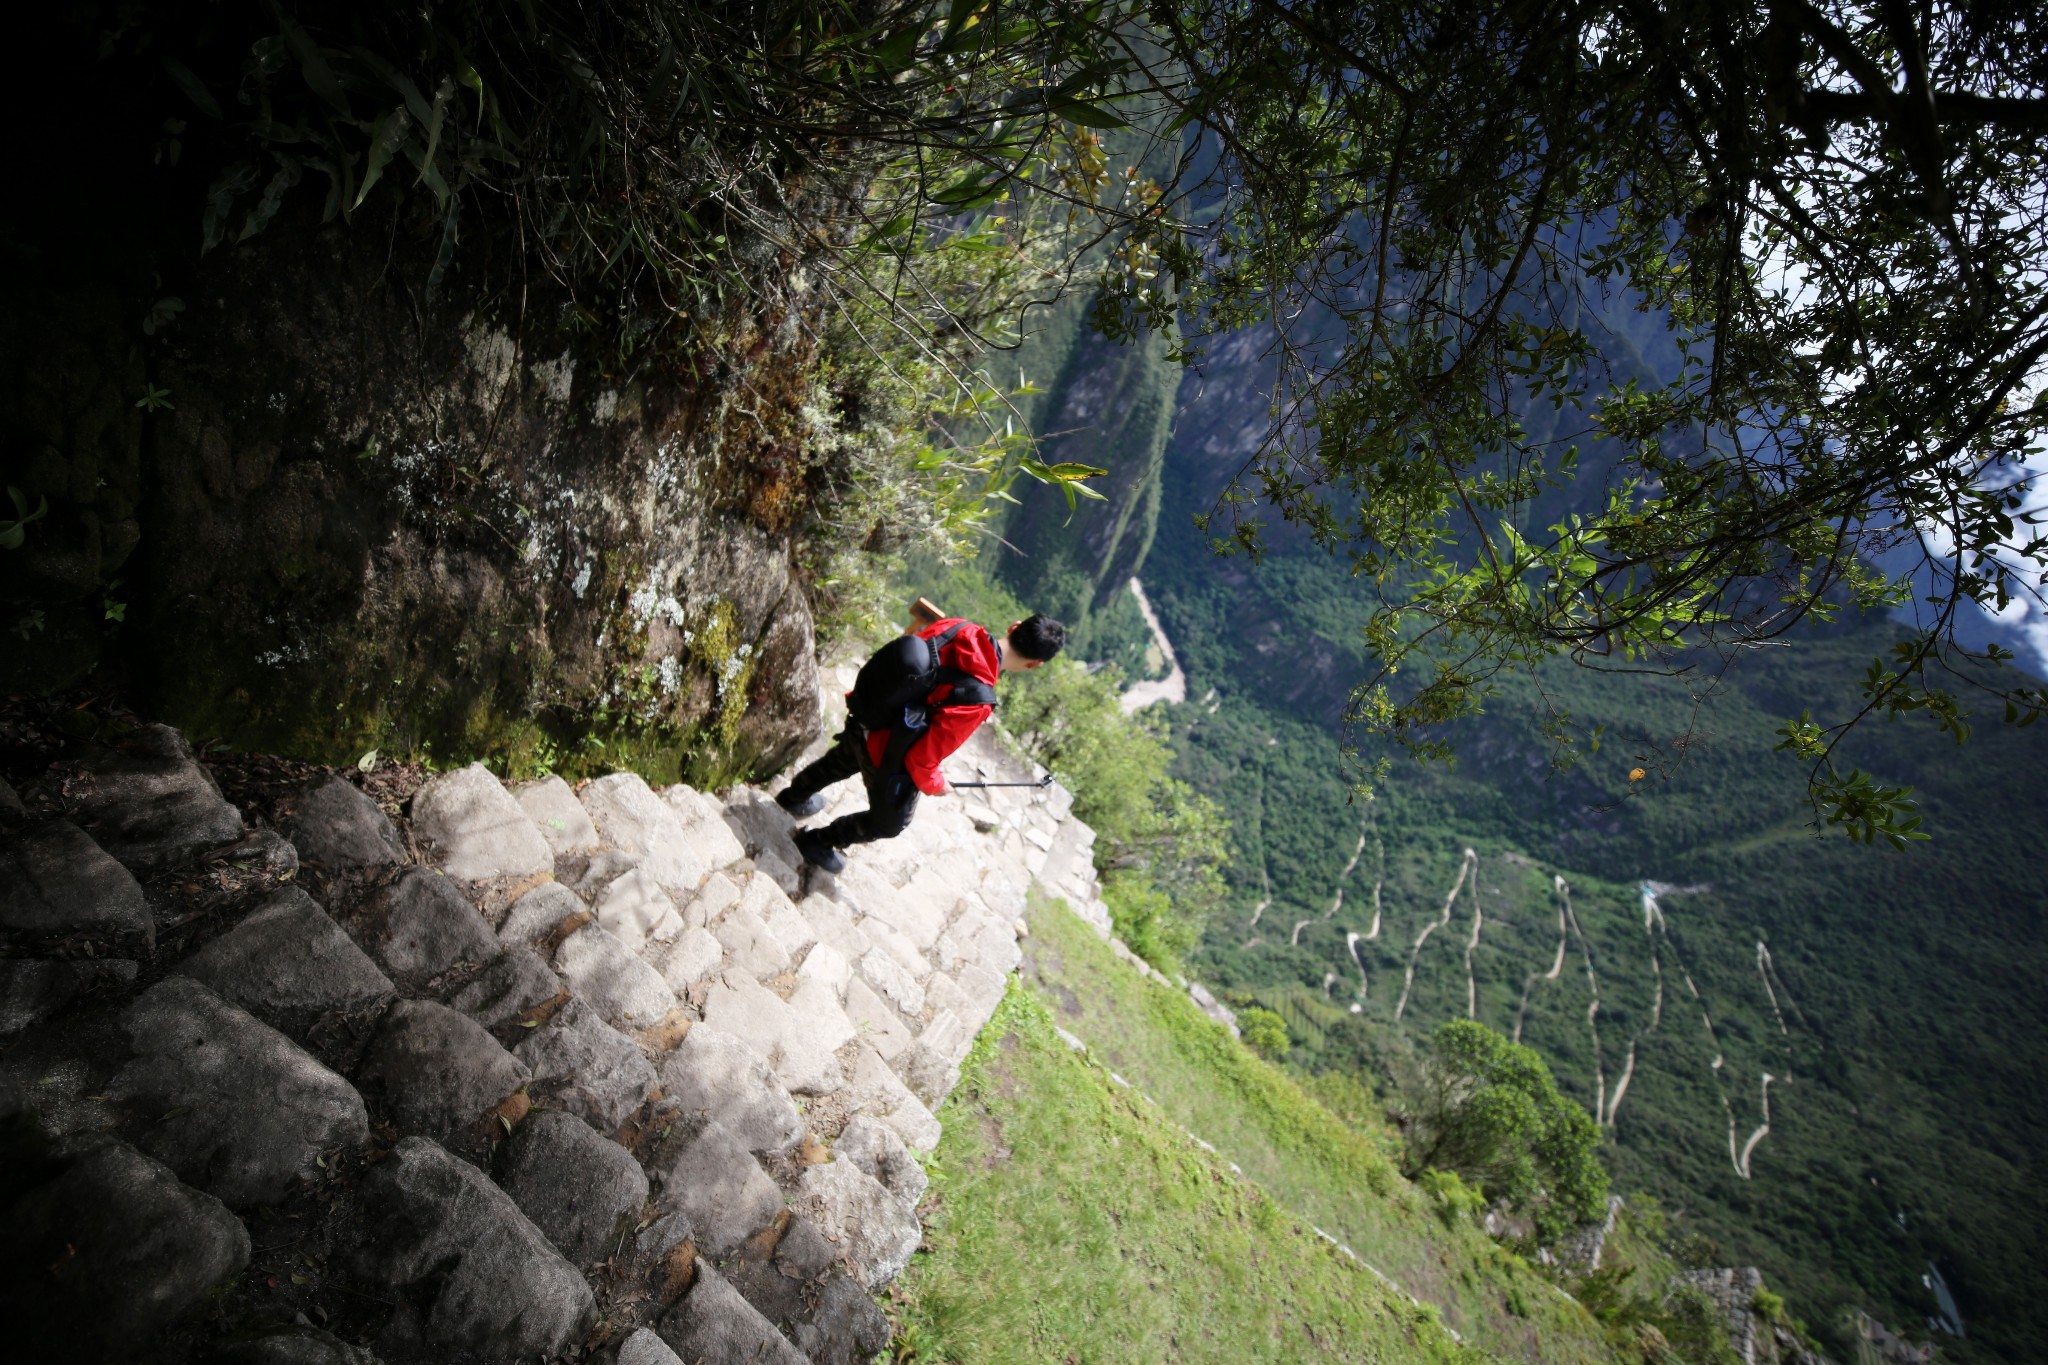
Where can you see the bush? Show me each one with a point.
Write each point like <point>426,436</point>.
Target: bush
<point>1456,1202</point>
<point>1489,1110</point>
<point>1160,847</point>
<point>1263,1031</point>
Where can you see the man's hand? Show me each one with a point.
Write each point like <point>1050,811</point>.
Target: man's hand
<point>942,788</point>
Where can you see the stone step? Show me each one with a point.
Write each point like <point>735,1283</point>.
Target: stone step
<point>618,1030</point>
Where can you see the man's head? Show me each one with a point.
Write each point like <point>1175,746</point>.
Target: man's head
<point>1033,640</point>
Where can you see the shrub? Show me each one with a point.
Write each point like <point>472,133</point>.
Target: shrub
<point>1263,1031</point>
<point>1489,1110</point>
<point>1159,845</point>
<point>1456,1202</point>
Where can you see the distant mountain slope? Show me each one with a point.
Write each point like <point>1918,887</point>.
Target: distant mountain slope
<point>1903,1102</point>
<point>1912,1023</point>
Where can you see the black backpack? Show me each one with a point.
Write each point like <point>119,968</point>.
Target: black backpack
<point>894,688</point>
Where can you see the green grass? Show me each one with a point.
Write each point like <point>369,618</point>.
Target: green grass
<point>1076,1216</point>
<point>1074,1223</point>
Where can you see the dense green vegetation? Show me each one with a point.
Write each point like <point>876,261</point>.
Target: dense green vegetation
<point>1889,994</point>
<point>1487,1110</point>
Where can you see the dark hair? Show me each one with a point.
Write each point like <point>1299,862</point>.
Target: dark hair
<point>1038,637</point>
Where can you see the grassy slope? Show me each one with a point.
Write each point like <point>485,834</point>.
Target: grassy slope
<point>1075,1220</point>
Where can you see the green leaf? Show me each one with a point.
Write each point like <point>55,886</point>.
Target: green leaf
<point>1072,470</point>
<point>233,182</point>
<point>957,23</point>
<point>397,80</point>
<point>1088,115</point>
<point>13,533</point>
<point>273,196</point>
<point>384,141</point>
<point>968,190</point>
<point>437,116</point>
<point>320,78</point>
<point>194,88</point>
<point>893,53</point>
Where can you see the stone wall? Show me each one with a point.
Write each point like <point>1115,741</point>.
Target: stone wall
<point>353,1067</point>
<point>1755,1339</point>
<point>361,515</point>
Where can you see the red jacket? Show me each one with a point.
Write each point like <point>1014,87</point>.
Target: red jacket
<point>973,653</point>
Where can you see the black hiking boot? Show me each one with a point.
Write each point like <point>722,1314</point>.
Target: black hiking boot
<point>804,809</point>
<point>817,852</point>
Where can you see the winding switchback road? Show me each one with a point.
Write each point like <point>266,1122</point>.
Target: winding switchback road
<point>1171,688</point>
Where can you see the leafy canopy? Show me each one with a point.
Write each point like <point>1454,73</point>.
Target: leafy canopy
<point>1446,216</point>
<point>1488,1111</point>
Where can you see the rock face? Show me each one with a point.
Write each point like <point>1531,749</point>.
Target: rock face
<point>714,1323</point>
<point>538,913</point>
<point>588,1067</point>
<point>1756,1340</point>
<point>876,1232</point>
<point>514,982</point>
<point>370,513</point>
<point>646,1348</point>
<point>107,1251</point>
<point>439,1069</point>
<point>880,1151</point>
<point>738,1005</point>
<point>290,1344</point>
<point>637,911</point>
<point>604,972</point>
<point>720,1077</point>
<point>494,1286</point>
<point>708,1175</point>
<point>594,1089</point>
<point>33,989</point>
<point>289,965</point>
<point>632,819</point>
<point>245,1111</point>
<point>559,816</point>
<point>421,926</point>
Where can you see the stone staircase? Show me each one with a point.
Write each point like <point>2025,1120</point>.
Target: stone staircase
<point>527,1072</point>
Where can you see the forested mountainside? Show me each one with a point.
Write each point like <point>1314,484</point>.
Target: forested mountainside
<point>1668,941</point>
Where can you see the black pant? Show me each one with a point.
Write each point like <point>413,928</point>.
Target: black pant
<point>892,796</point>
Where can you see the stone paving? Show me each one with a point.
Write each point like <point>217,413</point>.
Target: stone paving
<point>531,1072</point>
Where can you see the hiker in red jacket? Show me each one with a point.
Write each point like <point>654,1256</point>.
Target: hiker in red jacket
<point>915,702</point>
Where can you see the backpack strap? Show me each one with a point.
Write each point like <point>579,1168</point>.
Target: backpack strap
<point>968,690</point>
<point>902,736</point>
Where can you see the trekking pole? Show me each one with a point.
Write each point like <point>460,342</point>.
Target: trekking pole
<point>1045,781</point>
